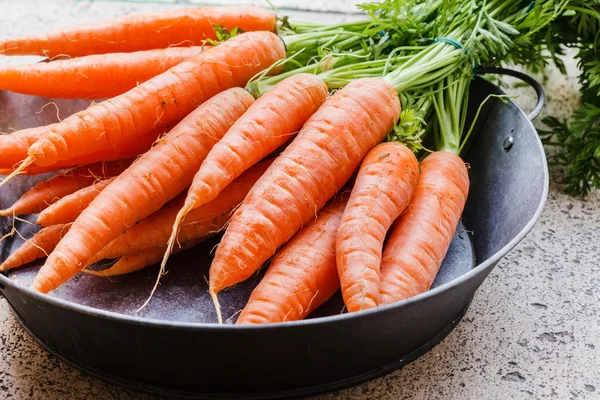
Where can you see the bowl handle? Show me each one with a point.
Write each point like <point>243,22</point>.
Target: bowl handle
<point>541,97</point>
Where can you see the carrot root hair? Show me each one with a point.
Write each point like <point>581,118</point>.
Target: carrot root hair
<point>26,163</point>
<point>170,244</point>
<point>215,299</point>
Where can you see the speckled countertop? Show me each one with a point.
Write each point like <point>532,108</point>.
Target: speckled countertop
<point>533,329</point>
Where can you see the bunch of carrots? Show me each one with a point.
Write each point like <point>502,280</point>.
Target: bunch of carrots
<point>211,122</point>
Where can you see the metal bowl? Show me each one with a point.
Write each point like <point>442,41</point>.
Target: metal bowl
<point>174,347</point>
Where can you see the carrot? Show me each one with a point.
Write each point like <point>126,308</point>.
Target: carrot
<point>39,246</point>
<point>422,235</point>
<point>14,146</point>
<point>157,102</point>
<point>267,125</point>
<point>155,30</point>
<point>383,188</point>
<point>39,197</point>
<point>93,77</point>
<point>128,150</point>
<point>302,276</point>
<point>210,218</point>
<point>137,261</point>
<point>320,160</point>
<point>154,179</point>
<point>68,208</point>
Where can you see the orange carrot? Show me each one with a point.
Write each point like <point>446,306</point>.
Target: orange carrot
<point>422,235</point>
<point>137,261</point>
<point>156,30</point>
<point>267,125</point>
<point>205,220</point>
<point>39,246</point>
<point>68,208</point>
<point>154,179</point>
<point>320,160</point>
<point>302,276</point>
<point>93,77</point>
<point>383,188</point>
<point>157,102</point>
<point>14,146</point>
<point>128,150</point>
<point>47,192</point>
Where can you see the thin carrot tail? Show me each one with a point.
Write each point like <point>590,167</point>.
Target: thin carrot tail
<point>26,163</point>
<point>170,244</point>
<point>215,299</point>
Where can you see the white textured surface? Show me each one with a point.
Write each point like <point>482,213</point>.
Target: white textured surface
<point>533,330</point>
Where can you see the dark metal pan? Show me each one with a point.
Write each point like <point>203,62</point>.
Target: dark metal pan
<point>174,346</point>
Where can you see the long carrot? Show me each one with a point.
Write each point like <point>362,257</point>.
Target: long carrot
<point>93,77</point>
<point>210,218</point>
<point>14,146</point>
<point>421,236</point>
<point>47,192</point>
<point>68,208</point>
<point>128,150</point>
<point>157,102</point>
<point>320,160</point>
<point>384,186</point>
<point>155,30</point>
<point>154,179</point>
<point>268,124</point>
<point>39,246</point>
<point>302,276</point>
<point>137,261</point>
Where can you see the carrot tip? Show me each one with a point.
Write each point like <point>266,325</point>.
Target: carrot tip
<point>215,300</point>
<point>26,163</point>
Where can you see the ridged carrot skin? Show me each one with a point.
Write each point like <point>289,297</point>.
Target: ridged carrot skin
<point>269,123</point>
<point>39,246</point>
<point>157,177</point>
<point>421,236</point>
<point>155,30</point>
<point>384,186</point>
<point>205,220</point>
<point>302,276</point>
<point>320,160</point>
<point>93,77</point>
<point>137,261</point>
<point>160,101</point>
<point>14,145</point>
<point>68,208</point>
<point>42,195</point>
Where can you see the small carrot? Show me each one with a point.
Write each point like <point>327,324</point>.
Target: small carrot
<point>320,160</point>
<point>157,177</point>
<point>93,77</point>
<point>68,208</point>
<point>302,276</point>
<point>157,102</point>
<point>154,230</point>
<point>421,236</point>
<point>14,146</point>
<point>268,124</point>
<point>47,192</point>
<point>155,30</point>
<point>385,183</point>
<point>39,246</point>
<point>137,261</point>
